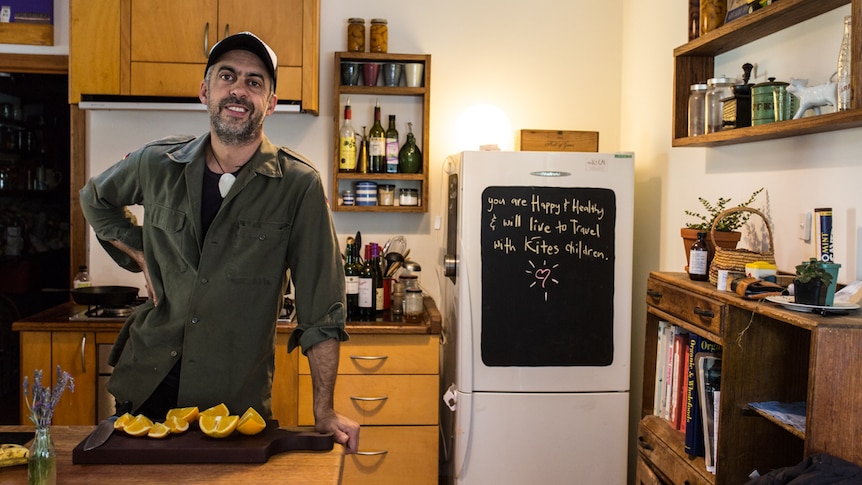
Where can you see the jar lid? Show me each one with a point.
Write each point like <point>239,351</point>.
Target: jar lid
<point>386,187</point>
<point>771,82</point>
<point>413,290</point>
<point>722,80</point>
<point>407,277</point>
<point>407,191</point>
<point>354,20</point>
<point>378,21</point>
<point>699,87</point>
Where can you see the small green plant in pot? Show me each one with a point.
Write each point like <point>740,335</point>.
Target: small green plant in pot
<point>811,283</point>
<point>726,230</point>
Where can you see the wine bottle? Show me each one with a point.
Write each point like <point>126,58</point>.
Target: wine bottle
<point>409,157</point>
<point>351,281</point>
<point>378,279</point>
<point>347,143</point>
<point>391,147</point>
<point>367,290</point>
<point>698,259</point>
<point>362,160</point>
<point>376,144</point>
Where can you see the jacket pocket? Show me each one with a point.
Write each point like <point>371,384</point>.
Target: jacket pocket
<point>168,234</point>
<point>259,253</point>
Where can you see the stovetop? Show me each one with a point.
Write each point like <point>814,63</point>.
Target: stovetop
<point>105,313</point>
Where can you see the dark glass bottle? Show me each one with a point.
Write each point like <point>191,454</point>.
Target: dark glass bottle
<point>376,144</point>
<point>410,157</point>
<point>351,281</point>
<point>378,279</point>
<point>362,159</point>
<point>391,147</point>
<point>367,288</point>
<point>698,259</point>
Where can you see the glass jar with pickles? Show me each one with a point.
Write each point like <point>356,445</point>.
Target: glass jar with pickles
<point>356,35</point>
<point>379,37</point>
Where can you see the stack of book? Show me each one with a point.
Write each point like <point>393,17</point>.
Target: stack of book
<point>687,388</point>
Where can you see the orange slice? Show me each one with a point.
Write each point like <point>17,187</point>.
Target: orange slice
<point>251,422</point>
<point>176,424</point>
<point>217,426</point>
<point>159,430</point>
<point>139,426</point>
<point>123,421</point>
<point>188,415</point>
<point>217,410</point>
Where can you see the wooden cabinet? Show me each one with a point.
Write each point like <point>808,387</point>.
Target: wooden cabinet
<point>768,354</point>
<point>694,63</point>
<point>413,104</point>
<point>75,352</point>
<point>389,384</point>
<point>160,47</point>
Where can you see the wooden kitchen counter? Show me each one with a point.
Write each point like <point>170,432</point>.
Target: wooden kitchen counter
<point>305,467</point>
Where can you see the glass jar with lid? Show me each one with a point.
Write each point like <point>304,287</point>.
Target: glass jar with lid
<point>379,37</point>
<point>718,90</point>
<point>697,110</point>
<point>413,305</point>
<point>356,35</point>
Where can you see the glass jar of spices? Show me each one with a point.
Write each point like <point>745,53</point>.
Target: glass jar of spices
<point>379,37</point>
<point>413,305</point>
<point>356,35</point>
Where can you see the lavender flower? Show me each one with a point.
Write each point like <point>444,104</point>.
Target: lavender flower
<point>44,398</point>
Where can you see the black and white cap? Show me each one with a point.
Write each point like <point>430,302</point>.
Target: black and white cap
<point>248,42</point>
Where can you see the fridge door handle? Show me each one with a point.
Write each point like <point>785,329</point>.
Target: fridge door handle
<point>450,398</point>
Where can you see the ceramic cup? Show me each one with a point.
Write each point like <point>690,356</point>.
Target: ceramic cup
<point>349,73</point>
<point>370,71</point>
<point>413,74</point>
<point>392,74</point>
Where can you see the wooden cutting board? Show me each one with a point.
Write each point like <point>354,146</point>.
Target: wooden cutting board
<point>195,447</point>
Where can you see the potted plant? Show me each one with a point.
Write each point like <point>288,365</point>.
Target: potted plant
<point>811,283</point>
<point>726,233</point>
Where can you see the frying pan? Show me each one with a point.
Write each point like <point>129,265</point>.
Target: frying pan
<point>109,296</point>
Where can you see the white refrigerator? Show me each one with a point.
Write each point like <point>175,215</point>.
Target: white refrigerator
<point>536,301</point>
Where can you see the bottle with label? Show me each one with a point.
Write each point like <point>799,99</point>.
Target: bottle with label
<point>378,280</point>
<point>82,279</point>
<point>391,147</point>
<point>698,259</point>
<point>362,159</point>
<point>376,144</point>
<point>351,281</point>
<point>347,143</point>
<point>409,157</point>
<point>367,296</point>
<point>845,95</point>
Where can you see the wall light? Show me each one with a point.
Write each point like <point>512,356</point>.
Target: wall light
<point>483,124</point>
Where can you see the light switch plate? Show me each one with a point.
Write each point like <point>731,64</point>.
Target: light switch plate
<point>805,226</point>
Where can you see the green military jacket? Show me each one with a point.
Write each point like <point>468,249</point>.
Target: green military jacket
<point>219,294</point>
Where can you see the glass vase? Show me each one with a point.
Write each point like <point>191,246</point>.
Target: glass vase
<point>42,464</point>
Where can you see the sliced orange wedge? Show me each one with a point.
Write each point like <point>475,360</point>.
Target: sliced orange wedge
<point>217,410</point>
<point>176,424</point>
<point>217,426</point>
<point>159,430</point>
<point>251,422</point>
<point>189,414</point>
<point>139,426</point>
<point>123,421</point>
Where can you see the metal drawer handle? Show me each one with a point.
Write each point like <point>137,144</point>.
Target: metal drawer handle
<point>703,313</point>
<point>381,398</point>
<point>83,356</point>
<point>369,357</point>
<point>207,40</point>
<point>372,453</point>
<point>654,294</point>
<point>226,31</point>
<point>643,443</point>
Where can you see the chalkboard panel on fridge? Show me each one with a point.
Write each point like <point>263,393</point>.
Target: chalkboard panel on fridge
<point>547,276</point>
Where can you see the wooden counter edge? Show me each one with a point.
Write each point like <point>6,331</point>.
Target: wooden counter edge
<point>306,467</point>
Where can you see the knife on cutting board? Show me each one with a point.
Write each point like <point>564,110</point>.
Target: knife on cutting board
<point>106,428</point>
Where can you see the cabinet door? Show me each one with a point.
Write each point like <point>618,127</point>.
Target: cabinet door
<point>171,31</point>
<point>277,22</point>
<point>35,351</point>
<point>75,353</point>
<point>391,454</point>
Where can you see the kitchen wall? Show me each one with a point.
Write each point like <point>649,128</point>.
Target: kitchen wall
<point>579,65</point>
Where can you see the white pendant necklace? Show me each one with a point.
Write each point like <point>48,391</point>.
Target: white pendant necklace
<point>225,182</point>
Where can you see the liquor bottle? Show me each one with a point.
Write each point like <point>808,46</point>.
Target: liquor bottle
<point>391,147</point>
<point>351,281</point>
<point>845,94</point>
<point>82,279</point>
<point>347,143</point>
<point>378,279</point>
<point>376,144</point>
<point>409,157</point>
<point>362,160</point>
<point>698,259</point>
<point>367,290</point>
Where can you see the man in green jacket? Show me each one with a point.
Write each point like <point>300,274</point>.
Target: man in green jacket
<point>229,219</point>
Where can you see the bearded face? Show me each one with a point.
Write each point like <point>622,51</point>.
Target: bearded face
<point>230,129</point>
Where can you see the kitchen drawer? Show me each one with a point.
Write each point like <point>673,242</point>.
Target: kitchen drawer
<point>394,455</point>
<point>690,307</point>
<point>386,354</point>
<point>663,448</point>
<point>383,399</point>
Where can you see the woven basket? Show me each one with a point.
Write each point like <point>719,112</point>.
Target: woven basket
<point>736,259</point>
